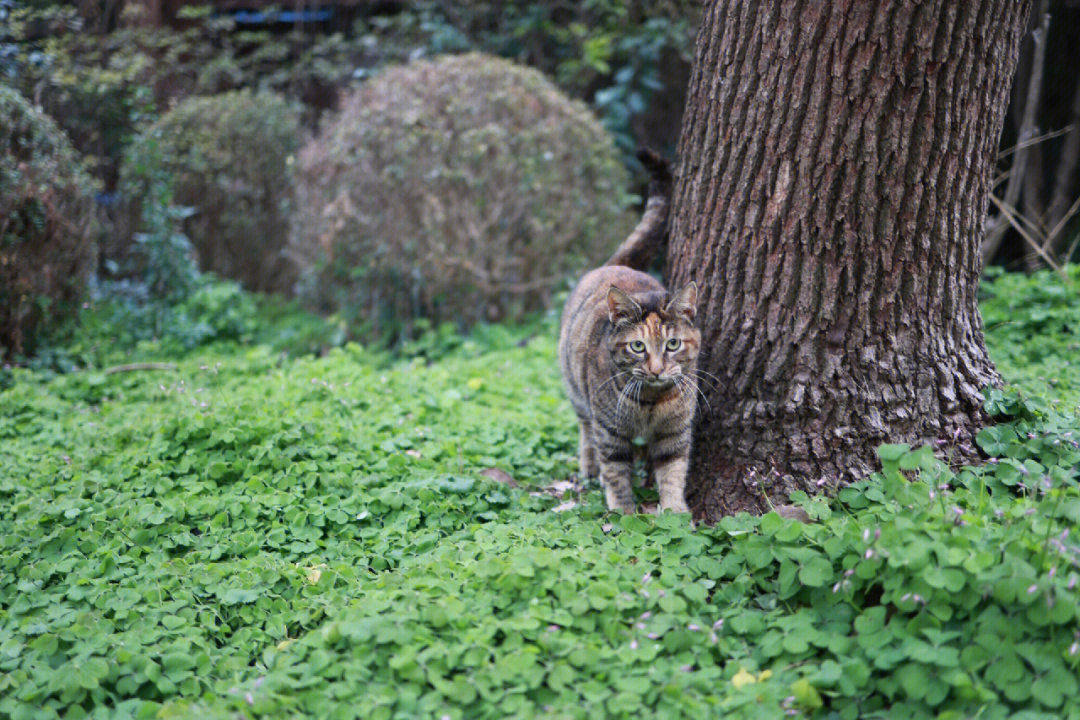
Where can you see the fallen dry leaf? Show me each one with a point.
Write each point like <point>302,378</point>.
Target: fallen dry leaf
<point>561,487</point>
<point>499,476</point>
<point>793,512</point>
<point>314,573</point>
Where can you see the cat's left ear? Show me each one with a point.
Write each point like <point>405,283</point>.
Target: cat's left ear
<point>684,303</point>
<point>621,307</point>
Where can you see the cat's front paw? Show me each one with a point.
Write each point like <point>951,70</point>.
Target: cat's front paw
<point>678,506</point>
<point>619,500</point>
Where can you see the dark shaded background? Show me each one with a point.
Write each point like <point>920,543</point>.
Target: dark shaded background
<point>104,68</point>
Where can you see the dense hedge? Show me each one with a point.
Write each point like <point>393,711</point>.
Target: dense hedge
<point>461,189</point>
<point>47,249</point>
<point>228,157</point>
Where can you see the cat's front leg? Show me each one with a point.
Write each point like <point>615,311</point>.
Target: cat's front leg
<point>671,482</point>
<point>615,476</point>
<point>587,450</point>
<point>616,457</point>
<point>669,456</point>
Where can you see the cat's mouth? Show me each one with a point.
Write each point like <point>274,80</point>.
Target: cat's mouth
<point>658,383</point>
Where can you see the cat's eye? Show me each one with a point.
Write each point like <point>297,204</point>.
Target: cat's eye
<point>637,346</point>
<point>673,344</point>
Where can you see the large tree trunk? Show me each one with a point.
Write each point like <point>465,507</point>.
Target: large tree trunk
<point>835,161</point>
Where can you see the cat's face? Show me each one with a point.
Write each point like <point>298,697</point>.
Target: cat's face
<point>654,338</point>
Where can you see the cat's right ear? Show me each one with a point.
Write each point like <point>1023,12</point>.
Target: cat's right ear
<point>621,307</point>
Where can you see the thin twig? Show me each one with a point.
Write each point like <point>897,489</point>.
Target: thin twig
<point>1063,180</point>
<point>1072,248</point>
<point>134,367</point>
<point>1061,224</point>
<point>992,239</point>
<point>1034,141</point>
<point>1010,215</point>
<point>1031,225</point>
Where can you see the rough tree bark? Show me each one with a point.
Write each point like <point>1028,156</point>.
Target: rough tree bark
<point>835,161</point>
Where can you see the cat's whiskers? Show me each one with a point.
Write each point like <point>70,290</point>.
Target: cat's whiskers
<point>628,388</point>
<point>680,379</point>
<point>618,405</point>
<point>707,376</point>
<point>680,385</point>
<point>613,378</point>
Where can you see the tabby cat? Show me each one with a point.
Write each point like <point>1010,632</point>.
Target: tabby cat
<point>627,349</point>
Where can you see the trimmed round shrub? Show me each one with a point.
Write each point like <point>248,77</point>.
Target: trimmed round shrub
<point>227,157</point>
<point>461,189</point>
<point>47,228</point>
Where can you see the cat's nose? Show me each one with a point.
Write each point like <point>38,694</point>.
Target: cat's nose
<point>656,368</point>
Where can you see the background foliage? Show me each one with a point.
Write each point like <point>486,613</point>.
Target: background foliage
<point>47,230</point>
<point>108,72</point>
<point>228,159</point>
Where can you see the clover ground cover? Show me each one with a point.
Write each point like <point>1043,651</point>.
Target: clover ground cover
<point>266,537</point>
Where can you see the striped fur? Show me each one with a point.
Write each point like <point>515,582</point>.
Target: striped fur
<point>627,350</point>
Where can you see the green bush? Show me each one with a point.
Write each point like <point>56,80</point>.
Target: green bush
<point>229,157</point>
<point>102,80</point>
<point>47,249</point>
<point>461,189</point>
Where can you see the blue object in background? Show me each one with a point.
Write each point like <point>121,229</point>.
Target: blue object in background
<point>305,15</point>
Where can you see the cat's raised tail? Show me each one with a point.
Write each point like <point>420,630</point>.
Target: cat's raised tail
<point>639,247</point>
